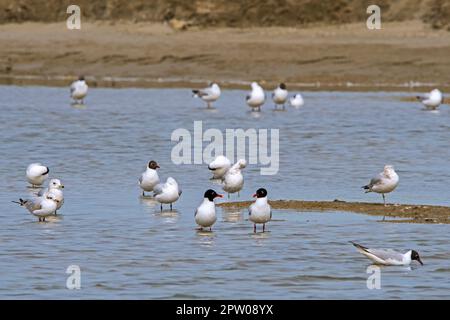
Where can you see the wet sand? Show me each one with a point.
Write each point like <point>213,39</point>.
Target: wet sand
<point>402,212</point>
<point>321,57</point>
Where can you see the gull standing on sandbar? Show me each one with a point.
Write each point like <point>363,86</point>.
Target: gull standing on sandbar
<point>260,211</point>
<point>256,98</point>
<point>280,95</point>
<point>168,192</point>
<point>209,94</point>
<point>205,215</point>
<point>149,179</point>
<point>37,174</point>
<point>79,90</point>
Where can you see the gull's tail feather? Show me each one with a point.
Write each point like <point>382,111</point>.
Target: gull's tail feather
<point>359,246</point>
<point>195,93</point>
<point>20,202</point>
<point>368,188</point>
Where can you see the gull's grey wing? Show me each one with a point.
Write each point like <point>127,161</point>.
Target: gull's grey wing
<point>158,189</point>
<point>41,192</point>
<point>195,214</point>
<point>72,88</point>
<point>179,191</point>
<point>32,204</point>
<point>386,254</point>
<point>376,180</point>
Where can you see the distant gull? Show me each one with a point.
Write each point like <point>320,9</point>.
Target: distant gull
<point>41,207</point>
<point>168,192</point>
<point>388,257</point>
<point>55,189</point>
<point>149,179</point>
<point>256,98</point>
<point>432,100</point>
<point>297,101</point>
<point>205,215</point>
<point>233,181</point>
<point>260,211</point>
<point>280,95</point>
<point>37,174</point>
<point>219,167</point>
<point>384,182</point>
<point>79,90</point>
<point>209,94</point>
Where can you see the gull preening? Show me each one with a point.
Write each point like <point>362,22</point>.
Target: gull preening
<point>209,94</point>
<point>41,207</point>
<point>384,182</point>
<point>79,90</point>
<point>205,215</point>
<point>431,100</point>
<point>55,189</point>
<point>219,167</point>
<point>260,211</point>
<point>149,179</point>
<point>388,257</point>
<point>37,174</point>
<point>297,101</point>
<point>280,95</point>
<point>233,180</point>
<point>168,192</point>
<point>256,98</point>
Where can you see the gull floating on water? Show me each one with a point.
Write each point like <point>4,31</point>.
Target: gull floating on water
<point>37,174</point>
<point>280,95</point>
<point>219,167</point>
<point>296,101</point>
<point>149,179</point>
<point>168,192</point>
<point>209,94</point>
<point>233,181</point>
<point>431,100</point>
<point>256,98</point>
<point>388,257</point>
<point>55,189</point>
<point>41,207</point>
<point>260,211</point>
<point>79,90</point>
<point>205,215</point>
<point>384,182</point>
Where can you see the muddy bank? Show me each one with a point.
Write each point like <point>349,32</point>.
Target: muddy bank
<point>404,212</point>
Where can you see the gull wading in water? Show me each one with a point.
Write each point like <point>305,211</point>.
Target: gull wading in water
<point>40,207</point>
<point>168,192</point>
<point>209,94</point>
<point>55,189</point>
<point>79,90</point>
<point>149,179</point>
<point>256,98</point>
<point>280,95</point>
<point>431,100</point>
<point>388,257</point>
<point>37,174</point>
<point>260,211</point>
<point>205,215</point>
<point>233,180</point>
<point>219,167</point>
<point>296,101</point>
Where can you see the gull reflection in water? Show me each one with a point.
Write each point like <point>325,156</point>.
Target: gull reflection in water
<point>232,215</point>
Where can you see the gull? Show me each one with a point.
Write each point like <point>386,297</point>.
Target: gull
<point>260,211</point>
<point>233,180</point>
<point>432,100</point>
<point>205,215</point>
<point>384,182</point>
<point>55,189</point>
<point>256,98</point>
<point>219,167</point>
<point>168,192</point>
<point>389,257</point>
<point>296,101</point>
<point>37,174</point>
<point>209,94</point>
<point>149,179</point>
<point>40,207</point>
<point>78,90</point>
<point>279,95</point>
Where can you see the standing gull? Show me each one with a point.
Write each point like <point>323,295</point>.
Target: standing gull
<point>40,207</point>
<point>256,98</point>
<point>79,90</point>
<point>149,179</point>
<point>296,101</point>
<point>431,100</point>
<point>388,257</point>
<point>209,94</point>
<point>280,95</point>
<point>219,167</point>
<point>260,211</point>
<point>205,215</point>
<point>55,189</point>
<point>168,192</point>
<point>37,174</point>
<point>233,181</point>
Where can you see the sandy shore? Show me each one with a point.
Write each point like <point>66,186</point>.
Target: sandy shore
<point>403,212</point>
<point>401,56</point>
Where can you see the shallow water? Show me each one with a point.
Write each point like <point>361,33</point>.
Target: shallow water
<point>127,249</point>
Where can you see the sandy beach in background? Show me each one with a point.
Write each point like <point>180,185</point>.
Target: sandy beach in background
<point>402,56</point>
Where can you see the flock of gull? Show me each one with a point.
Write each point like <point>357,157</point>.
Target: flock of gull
<point>46,202</point>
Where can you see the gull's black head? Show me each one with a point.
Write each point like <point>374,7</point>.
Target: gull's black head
<point>260,193</point>
<point>283,86</point>
<point>153,165</point>
<point>211,195</point>
<point>415,256</point>
<point>81,78</point>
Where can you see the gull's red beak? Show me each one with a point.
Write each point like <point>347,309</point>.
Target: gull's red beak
<point>219,196</point>
<point>255,195</point>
